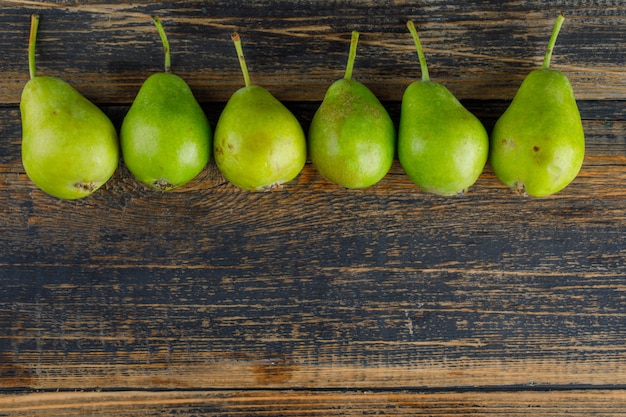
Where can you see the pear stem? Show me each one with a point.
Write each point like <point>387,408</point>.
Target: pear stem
<point>352,55</point>
<point>166,44</point>
<point>420,51</point>
<point>34,25</point>
<point>242,60</point>
<point>552,42</point>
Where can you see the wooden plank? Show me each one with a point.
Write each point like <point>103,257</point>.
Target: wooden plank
<point>316,300</point>
<point>604,122</point>
<point>316,286</point>
<point>605,134</point>
<point>355,326</point>
<point>296,49</point>
<point>574,403</point>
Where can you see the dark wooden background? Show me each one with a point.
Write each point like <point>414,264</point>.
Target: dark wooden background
<point>316,300</point>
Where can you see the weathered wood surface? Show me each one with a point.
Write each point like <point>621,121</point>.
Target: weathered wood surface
<point>316,300</point>
<point>574,403</point>
<point>480,50</point>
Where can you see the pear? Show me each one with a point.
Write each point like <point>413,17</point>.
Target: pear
<point>352,139</point>
<point>538,144</point>
<point>165,136</point>
<point>69,146</point>
<point>442,147</point>
<point>258,144</point>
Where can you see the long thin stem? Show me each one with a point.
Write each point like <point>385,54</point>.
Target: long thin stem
<point>32,40</point>
<point>552,42</point>
<point>242,60</point>
<point>420,51</point>
<point>166,44</point>
<point>352,55</point>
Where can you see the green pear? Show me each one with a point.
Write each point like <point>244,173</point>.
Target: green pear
<point>258,144</point>
<point>165,136</point>
<point>442,147</point>
<point>352,139</point>
<point>538,144</point>
<point>69,146</point>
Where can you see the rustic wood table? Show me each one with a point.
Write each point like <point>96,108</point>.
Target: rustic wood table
<point>316,300</point>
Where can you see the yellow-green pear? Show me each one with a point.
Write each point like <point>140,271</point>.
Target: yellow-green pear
<point>258,143</point>
<point>538,144</point>
<point>442,146</point>
<point>352,139</point>
<point>165,136</point>
<point>69,146</point>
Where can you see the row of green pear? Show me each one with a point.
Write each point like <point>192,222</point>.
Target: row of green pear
<point>70,148</point>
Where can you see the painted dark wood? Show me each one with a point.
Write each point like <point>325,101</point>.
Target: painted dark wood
<point>480,50</point>
<point>316,300</point>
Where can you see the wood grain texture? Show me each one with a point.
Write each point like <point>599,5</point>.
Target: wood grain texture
<point>316,286</point>
<point>316,300</point>
<point>480,50</point>
<point>310,403</point>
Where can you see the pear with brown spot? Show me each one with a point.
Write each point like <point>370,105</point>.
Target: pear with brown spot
<point>538,144</point>
<point>258,144</point>
<point>69,146</point>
